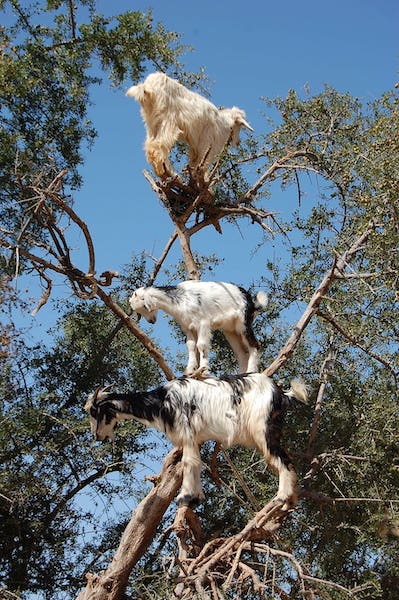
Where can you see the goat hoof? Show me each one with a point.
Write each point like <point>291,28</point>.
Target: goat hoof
<point>190,501</point>
<point>200,373</point>
<point>286,503</point>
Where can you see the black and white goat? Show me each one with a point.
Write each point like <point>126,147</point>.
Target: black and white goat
<point>200,307</point>
<point>171,112</point>
<point>242,409</point>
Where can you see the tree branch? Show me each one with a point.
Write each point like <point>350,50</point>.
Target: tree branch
<point>338,266</point>
<point>325,373</point>
<point>357,344</point>
<point>277,165</point>
<point>111,584</point>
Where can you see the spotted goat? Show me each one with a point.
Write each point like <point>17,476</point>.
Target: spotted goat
<point>200,307</point>
<point>242,409</point>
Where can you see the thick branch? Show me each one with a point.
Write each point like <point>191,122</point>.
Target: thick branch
<point>184,238</point>
<point>138,535</point>
<point>310,310</point>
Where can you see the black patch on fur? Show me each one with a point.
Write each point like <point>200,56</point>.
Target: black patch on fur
<point>190,501</point>
<point>274,425</point>
<point>238,383</point>
<point>198,298</point>
<point>145,405</point>
<point>176,294</point>
<point>250,312</point>
<point>172,292</point>
<point>103,410</point>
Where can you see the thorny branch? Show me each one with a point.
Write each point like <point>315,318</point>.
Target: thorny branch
<point>48,210</point>
<point>225,563</point>
<point>193,201</point>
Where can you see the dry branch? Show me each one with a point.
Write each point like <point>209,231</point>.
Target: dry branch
<point>338,266</point>
<point>220,559</point>
<point>194,201</point>
<point>281,163</point>
<point>138,535</point>
<point>84,284</point>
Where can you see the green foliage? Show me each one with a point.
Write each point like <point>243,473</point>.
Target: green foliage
<point>47,457</point>
<point>48,65</point>
<point>341,159</point>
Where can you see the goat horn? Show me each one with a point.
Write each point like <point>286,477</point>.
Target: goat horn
<point>100,389</point>
<point>245,123</point>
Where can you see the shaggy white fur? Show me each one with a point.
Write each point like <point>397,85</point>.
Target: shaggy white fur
<point>171,112</point>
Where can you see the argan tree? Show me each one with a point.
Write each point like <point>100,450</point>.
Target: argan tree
<point>331,318</point>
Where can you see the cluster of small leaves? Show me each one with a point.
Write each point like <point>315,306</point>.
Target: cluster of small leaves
<point>48,64</point>
<point>47,456</point>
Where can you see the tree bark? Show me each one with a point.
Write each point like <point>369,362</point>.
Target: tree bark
<point>138,535</point>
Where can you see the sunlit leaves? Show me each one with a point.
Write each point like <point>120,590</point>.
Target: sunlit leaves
<point>51,57</point>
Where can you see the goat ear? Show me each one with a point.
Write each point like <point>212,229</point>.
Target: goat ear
<point>138,295</point>
<point>143,297</point>
<point>132,91</point>
<point>139,92</point>
<point>107,387</point>
<point>95,394</point>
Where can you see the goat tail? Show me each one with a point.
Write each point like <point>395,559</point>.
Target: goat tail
<point>260,301</point>
<point>298,391</point>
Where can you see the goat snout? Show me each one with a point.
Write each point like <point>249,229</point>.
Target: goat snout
<point>101,437</point>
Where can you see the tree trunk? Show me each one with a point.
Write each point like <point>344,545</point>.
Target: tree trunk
<point>111,584</point>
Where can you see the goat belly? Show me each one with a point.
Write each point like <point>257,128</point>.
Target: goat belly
<point>221,426</point>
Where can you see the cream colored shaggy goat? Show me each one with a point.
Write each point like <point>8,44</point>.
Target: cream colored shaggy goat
<point>173,113</point>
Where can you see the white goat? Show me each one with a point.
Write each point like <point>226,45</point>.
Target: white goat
<point>171,112</point>
<point>200,307</point>
<point>243,409</point>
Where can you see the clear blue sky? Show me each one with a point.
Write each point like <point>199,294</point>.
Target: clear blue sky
<point>249,50</point>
